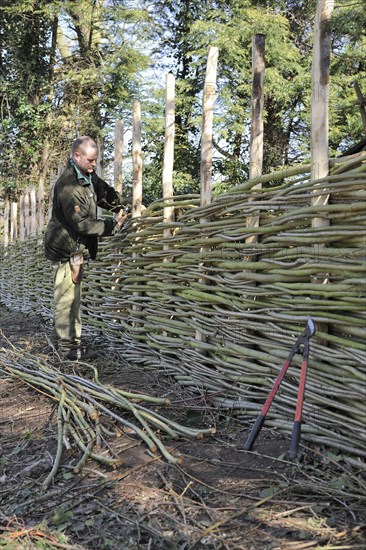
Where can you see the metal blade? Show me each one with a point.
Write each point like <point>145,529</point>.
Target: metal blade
<point>310,328</point>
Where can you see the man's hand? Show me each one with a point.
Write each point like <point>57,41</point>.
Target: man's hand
<point>121,217</point>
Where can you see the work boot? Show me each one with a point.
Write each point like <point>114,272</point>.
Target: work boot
<point>80,354</point>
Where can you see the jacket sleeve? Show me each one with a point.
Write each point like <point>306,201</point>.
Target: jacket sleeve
<point>107,196</point>
<point>76,203</point>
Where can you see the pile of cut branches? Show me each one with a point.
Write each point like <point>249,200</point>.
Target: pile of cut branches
<point>86,408</point>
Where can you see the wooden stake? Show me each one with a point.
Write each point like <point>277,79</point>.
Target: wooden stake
<point>319,103</point>
<point>136,184</point>
<point>27,224</point>
<point>256,135</point>
<point>40,206</point>
<point>118,156</point>
<point>206,144</point>
<point>100,167</point>
<point>6,221</point>
<point>169,151</point>
<point>53,179</point>
<point>320,123</point>
<point>14,222</point>
<point>2,219</point>
<point>207,122</point>
<point>33,210</point>
<point>21,218</point>
<point>137,161</point>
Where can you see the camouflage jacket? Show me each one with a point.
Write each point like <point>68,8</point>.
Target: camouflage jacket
<point>74,220</point>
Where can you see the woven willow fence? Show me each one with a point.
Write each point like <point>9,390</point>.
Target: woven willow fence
<point>220,313</point>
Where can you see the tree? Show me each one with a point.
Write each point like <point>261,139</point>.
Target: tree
<point>65,67</point>
<point>189,30</point>
<point>348,76</point>
<point>24,81</point>
<point>185,30</point>
<point>73,66</point>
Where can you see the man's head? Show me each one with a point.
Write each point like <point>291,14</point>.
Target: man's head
<point>85,154</point>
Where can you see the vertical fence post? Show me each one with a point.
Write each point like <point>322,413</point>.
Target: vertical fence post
<point>33,210</point>
<point>100,167</point>
<point>41,206</point>
<point>136,184</point>
<point>207,122</point>
<point>137,161</point>
<point>169,153</point>
<point>319,120</point>
<point>14,222</point>
<point>2,220</point>
<point>118,156</point>
<point>53,179</point>
<point>168,164</point>
<point>319,104</point>
<point>256,134</point>
<point>206,145</point>
<point>21,218</point>
<point>6,221</point>
<point>27,227</point>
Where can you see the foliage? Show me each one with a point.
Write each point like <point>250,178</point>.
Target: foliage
<point>24,84</point>
<point>66,68</point>
<point>190,28</point>
<point>347,71</point>
<point>73,67</point>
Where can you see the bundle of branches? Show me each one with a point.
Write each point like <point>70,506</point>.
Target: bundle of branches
<point>85,407</point>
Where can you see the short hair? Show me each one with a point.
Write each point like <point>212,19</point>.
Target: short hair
<point>82,142</point>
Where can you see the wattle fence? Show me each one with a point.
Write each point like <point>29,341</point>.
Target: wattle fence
<point>218,310</point>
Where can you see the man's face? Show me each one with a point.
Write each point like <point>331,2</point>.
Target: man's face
<point>86,159</point>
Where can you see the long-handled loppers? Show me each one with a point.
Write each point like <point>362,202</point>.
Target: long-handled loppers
<point>301,342</point>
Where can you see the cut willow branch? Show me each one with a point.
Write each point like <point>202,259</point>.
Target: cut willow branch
<point>60,434</point>
<point>81,409</point>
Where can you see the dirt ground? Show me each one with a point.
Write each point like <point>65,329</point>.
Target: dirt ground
<point>219,497</point>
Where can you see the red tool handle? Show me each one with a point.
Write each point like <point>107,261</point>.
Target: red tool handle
<point>260,420</point>
<point>296,430</point>
<point>276,385</point>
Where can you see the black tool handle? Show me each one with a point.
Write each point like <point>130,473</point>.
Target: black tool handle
<point>254,433</point>
<point>295,438</point>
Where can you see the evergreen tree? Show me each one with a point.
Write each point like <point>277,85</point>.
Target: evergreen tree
<point>348,76</point>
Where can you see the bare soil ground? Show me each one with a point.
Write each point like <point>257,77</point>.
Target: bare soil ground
<point>219,497</point>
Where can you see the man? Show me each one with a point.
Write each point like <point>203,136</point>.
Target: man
<point>72,234</point>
